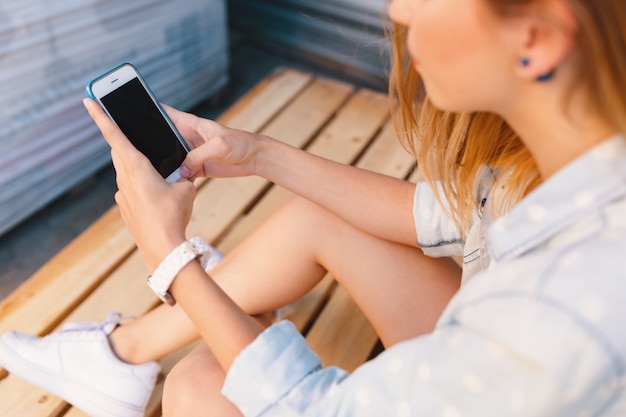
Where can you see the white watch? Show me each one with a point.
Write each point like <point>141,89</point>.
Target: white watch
<point>162,278</point>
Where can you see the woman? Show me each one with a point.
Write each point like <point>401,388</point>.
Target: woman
<point>515,112</point>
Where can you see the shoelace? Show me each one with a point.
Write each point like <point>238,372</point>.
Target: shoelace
<point>114,319</point>
<point>107,326</point>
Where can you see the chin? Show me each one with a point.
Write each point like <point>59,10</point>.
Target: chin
<point>455,104</point>
<point>449,105</point>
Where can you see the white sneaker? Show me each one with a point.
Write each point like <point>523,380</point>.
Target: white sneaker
<point>78,365</point>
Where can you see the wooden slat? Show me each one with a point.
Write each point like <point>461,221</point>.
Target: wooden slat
<point>341,323</point>
<point>387,156</point>
<point>39,303</point>
<point>265,100</point>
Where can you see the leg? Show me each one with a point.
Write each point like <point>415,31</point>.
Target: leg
<point>269,259</point>
<point>266,260</point>
<point>194,386</point>
<point>390,282</point>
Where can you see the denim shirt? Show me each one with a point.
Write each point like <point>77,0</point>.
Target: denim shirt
<point>438,235</point>
<point>539,331</point>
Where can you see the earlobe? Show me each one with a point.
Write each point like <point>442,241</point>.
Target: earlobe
<point>548,41</point>
<point>525,62</point>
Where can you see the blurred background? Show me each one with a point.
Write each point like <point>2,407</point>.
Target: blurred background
<point>197,55</point>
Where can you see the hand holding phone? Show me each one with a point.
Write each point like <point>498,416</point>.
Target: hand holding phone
<point>126,98</point>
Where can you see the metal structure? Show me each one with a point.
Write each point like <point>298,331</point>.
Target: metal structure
<point>344,34</point>
<point>48,52</point>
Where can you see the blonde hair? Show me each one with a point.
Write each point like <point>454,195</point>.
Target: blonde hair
<point>453,147</point>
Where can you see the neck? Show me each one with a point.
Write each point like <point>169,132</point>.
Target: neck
<point>556,130</point>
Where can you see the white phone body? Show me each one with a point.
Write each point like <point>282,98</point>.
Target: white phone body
<point>126,98</point>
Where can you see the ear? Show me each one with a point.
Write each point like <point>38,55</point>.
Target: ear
<point>548,38</point>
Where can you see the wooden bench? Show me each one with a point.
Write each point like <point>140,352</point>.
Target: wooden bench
<point>101,271</point>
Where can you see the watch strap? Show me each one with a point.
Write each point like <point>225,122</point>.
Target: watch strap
<point>162,278</point>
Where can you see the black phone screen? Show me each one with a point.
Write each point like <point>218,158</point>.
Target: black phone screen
<point>138,117</point>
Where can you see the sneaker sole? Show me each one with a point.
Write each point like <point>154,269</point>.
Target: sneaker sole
<point>87,400</point>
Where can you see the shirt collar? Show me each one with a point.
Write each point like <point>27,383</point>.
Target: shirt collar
<point>584,185</point>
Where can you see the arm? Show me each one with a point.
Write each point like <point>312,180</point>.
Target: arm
<point>157,214</point>
<point>221,323</point>
<point>376,203</point>
<point>500,356</point>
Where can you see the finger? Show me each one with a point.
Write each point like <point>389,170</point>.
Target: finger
<point>120,170</point>
<point>172,112</point>
<point>187,124</point>
<point>194,161</point>
<point>112,134</point>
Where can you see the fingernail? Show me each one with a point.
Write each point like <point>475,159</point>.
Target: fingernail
<point>185,172</point>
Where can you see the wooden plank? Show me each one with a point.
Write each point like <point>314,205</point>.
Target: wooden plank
<point>341,323</point>
<point>40,303</point>
<point>324,94</point>
<point>43,404</point>
<point>417,176</point>
<point>265,100</point>
<point>387,156</point>
<point>360,120</point>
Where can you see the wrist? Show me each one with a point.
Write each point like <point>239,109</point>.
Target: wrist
<point>269,156</point>
<point>174,262</point>
<point>161,248</point>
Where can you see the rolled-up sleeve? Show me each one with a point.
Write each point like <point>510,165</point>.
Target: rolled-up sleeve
<point>476,364</point>
<point>279,366</point>
<point>437,234</point>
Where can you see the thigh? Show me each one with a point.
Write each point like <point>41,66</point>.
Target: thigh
<point>400,290</point>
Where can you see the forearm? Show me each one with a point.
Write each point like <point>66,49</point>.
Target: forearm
<point>225,328</point>
<point>376,203</point>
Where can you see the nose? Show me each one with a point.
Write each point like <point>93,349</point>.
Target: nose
<point>399,11</point>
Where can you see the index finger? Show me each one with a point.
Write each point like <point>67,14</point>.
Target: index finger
<point>112,134</point>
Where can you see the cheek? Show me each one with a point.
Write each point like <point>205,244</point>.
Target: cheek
<point>453,60</point>
<point>441,44</point>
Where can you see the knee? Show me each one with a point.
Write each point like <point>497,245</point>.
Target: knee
<point>180,393</point>
<point>191,390</point>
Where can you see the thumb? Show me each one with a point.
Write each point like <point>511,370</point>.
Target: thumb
<point>193,165</point>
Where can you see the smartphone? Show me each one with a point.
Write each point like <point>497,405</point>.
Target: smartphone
<point>126,98</point>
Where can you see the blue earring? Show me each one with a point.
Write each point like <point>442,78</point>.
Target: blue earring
<point>545,77</point>
<point>524,62</point>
